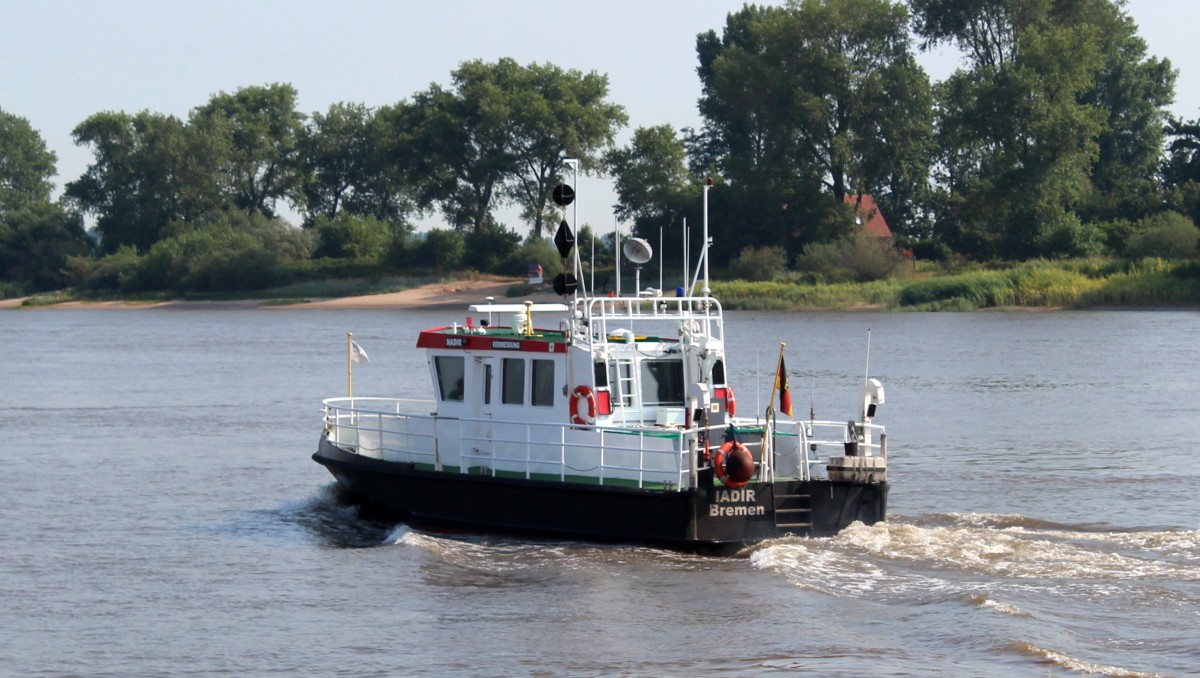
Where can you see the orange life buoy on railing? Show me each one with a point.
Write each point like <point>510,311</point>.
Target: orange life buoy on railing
<point>584,395</point>
<point>734,464</point>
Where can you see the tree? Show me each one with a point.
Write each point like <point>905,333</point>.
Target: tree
<point>655,188</point>
<point>26,165</point>
<point>36,235</point>
<point>1017,143</point>
<point>1181,169</point>
<point>651,176</point>
<point>35,241</point>
<point>148,171</point>
<point>1167,235</point>
<point>1134,90</point>
<point>560,114</point>
<point>460,152</point>
<point>500,134</point>
<point>1057,119</point>
<point>386,189</point>
<point>807,103</point>
<point>334,152</point>
<point>262,129</point>
<point>350,236</point>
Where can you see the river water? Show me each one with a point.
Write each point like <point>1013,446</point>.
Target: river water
<point>161,514</point>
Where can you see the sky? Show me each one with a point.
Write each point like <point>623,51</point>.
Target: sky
<point>63,60</point>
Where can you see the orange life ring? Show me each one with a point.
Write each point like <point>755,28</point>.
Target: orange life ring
<point>742,472</point>
<point>730,401</point>
<point>585,395</point>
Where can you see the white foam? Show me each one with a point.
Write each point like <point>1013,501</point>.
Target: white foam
<point>904,558</point>
<point>1072,664</point>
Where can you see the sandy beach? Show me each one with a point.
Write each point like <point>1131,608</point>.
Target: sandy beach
<point>450,296</point>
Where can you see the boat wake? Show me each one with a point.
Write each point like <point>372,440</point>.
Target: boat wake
<point>335,520</point>
<point>1058,659</point>
<point>946,549</point>
<point>1031,580</point>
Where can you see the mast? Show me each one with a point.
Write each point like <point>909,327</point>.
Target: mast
<point>707,185</point>
<point>578,264</point>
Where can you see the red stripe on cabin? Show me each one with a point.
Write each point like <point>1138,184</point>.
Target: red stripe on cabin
<point>485,342</point>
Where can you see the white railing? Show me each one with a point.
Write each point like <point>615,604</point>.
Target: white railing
<point>407,431</point>
<point>609,456</point>
<point>705,312</point>
<point>384,428</point>
<point>388,429</point>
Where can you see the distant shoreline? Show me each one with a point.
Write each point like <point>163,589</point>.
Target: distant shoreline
<point>458,295</point>
<point>436,296</point>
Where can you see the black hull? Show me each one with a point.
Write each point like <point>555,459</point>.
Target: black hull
<point>709,519</point>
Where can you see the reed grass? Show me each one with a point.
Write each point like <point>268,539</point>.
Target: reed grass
<point>1078,283</point>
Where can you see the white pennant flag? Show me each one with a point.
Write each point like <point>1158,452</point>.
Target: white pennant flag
<point>357,354</point>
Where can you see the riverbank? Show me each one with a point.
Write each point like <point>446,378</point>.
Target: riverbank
<point>435,296</point>
<point>1089,283</point>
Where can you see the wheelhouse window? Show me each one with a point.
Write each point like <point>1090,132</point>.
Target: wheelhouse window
<point>487,384</point>
<point>662,382</point>
<point>543,383</point>
<point>513,382</point>
<point>450,371</point>
<point>601,371</point>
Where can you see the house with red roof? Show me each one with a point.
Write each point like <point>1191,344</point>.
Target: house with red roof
<point>869,216</point>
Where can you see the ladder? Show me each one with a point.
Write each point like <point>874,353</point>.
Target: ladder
<point>792,510</point>
<point>627,382</point>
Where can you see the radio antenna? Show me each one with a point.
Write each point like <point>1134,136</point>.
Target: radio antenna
<point>867,371</point>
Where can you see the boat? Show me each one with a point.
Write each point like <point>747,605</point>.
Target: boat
<point>604,418</point>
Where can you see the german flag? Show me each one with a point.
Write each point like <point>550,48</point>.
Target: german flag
<point>781,384</point>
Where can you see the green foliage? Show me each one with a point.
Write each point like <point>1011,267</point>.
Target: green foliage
<point>349,236</point>
<point>352,161</point>
<point>759,263</point>
<point>47,299</point>
<point>772,296</point>
<point>1056,123</point>
<point>1046,146</point>
<point>931,250</point>
<point>807,103</point>
<point>535,251</point>
<point>277,235</point>
<point>1063,235</point>
<point>335,152</point>
<point>1167,235</point>
<point>501,134</point>
<point>35,241</point>
<point>485,251</point>
<point>118,272</point>
<point>860,257</point>
<point>210,258</point>
<point>259,130</point>
<point>1148,282</point>
<point>36,236</point>
<point>441,250</point>
<point>1035,284</point>
<point>651,178</point>
<point>26,165</point>
<point>148,170</point>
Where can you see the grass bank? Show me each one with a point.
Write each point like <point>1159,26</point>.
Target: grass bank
<point>1086,283</point>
